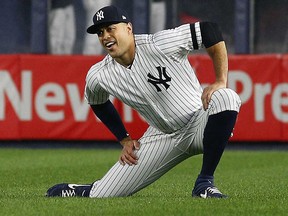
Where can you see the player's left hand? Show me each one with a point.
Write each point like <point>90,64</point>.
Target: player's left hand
<point>209,90</point>
<point>128,155</point>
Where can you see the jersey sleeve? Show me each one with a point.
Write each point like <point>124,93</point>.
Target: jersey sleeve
<point>178,42</point>
<point>94,93</point>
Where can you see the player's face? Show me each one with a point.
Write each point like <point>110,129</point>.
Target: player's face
<point>117,39</point>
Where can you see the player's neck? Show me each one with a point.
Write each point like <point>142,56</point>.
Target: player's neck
<point>127,59</point>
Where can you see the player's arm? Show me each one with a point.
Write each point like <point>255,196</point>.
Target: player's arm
<point>109,116</point>
<point>211,38</point>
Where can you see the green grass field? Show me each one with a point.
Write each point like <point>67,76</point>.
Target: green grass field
<point>256,182</point>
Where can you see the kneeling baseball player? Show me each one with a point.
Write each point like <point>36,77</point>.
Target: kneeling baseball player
<point>151,74</point>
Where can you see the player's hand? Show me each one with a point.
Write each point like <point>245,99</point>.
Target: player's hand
<point>128,155</point>
<point>209,90</point>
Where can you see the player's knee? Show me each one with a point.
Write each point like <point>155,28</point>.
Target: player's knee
<point>223,100</point>
<point>101,194</point>
<point>99,190</point>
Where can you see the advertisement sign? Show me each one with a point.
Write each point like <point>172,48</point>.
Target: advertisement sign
<point>42,98</point>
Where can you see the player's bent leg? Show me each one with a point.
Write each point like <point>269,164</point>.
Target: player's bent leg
<point>222,113</point>
<point>157,155</point>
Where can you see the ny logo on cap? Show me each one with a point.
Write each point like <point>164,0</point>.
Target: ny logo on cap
<point>100,15</point>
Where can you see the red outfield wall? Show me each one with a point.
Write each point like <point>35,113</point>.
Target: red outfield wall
<point>41,97</point>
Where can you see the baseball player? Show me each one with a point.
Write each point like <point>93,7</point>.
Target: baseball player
<point>151,73</point>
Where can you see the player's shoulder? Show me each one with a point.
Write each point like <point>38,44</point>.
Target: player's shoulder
<point>99,66</point>
<point>178,30</point>
<point>143,39</point>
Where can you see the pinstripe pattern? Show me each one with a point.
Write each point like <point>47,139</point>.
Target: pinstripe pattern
<point>224,99</point>
<point>159,152</point>
<point>157,155</point>
<point>174,110</point>
<point>167,110</point>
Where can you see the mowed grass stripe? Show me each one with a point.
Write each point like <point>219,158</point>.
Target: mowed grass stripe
<point>256,182</point>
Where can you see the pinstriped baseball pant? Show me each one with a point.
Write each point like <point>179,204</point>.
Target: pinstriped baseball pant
<point>160,152</point>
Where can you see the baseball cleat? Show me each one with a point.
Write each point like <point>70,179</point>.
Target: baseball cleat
<point>209,192</point>
<point>204,188</point>
<point>69,190</point>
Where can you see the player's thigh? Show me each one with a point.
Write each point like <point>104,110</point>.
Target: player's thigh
<point>157,155</point>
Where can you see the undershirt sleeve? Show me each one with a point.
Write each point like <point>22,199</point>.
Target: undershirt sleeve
<point>205,33</point>
<point>107,113</point>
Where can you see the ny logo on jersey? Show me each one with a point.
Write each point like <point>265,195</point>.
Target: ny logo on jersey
<point>100,15</point>
<point>160,81</point>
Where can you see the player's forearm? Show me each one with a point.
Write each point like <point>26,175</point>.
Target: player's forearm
<point>218,54</point>
<point>109,116</point>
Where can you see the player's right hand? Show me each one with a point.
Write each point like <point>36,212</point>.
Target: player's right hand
<point>128,155</point>
<point>209,90</point>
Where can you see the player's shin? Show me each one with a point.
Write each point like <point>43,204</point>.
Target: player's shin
<point>216,135</point>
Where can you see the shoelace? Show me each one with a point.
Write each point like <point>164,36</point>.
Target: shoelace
<point>213,190</point>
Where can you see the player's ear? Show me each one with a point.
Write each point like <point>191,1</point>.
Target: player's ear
<point>130,27</point>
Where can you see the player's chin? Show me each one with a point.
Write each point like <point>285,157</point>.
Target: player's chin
<point>113,54</point>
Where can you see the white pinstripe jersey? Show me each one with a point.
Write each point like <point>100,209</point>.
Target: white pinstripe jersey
<point>165,103</point>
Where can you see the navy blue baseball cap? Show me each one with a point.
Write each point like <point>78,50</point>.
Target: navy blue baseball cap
<point>107,15</point>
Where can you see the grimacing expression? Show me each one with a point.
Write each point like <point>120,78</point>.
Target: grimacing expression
<point>116,38</point>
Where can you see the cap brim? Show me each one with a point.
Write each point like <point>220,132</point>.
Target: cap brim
<point>93,29</point>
